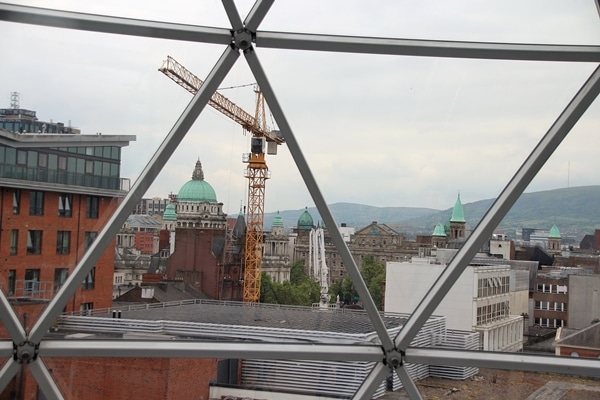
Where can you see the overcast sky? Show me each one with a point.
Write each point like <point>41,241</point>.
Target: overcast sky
<point>376,130</point>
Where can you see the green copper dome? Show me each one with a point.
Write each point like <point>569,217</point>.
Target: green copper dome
<point>439,230</point>
<point>277,221</point>
<point>305,221</point>
<point>458,214</point>
<point>554,232</point>
<point>197,190</point>
<point>170,214</point>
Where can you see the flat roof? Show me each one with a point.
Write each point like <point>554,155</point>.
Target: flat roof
<point>20,140</point>
<point>210,318</point>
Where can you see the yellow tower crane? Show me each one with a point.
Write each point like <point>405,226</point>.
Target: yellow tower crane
<point>257,171</point>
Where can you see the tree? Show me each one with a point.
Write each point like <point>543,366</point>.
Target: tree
<point>372,272</point>
<point>297,273</point>
<point>267,292</point>
<point>300,290</point>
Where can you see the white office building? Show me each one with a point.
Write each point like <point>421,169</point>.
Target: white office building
<point>478,302</point>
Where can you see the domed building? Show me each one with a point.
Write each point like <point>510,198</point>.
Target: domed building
<point>199,255</point>
<point>196,204</point>
<point>169,220</point>
<point>305,222</point>
<point>438,239</point>
<point>554,240</point>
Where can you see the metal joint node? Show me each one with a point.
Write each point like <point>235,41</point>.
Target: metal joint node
<point>25,352</point>
<point>395,359</point>
<point>242,39</point>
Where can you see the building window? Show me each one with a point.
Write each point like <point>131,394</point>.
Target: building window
<point>21,157</point>
<point>36,202</point>
<point>11,281</point>
<point>60,277</point>
<point>89,239</point>
<point>88,282</point>
<point>14,241</point>
<point>62,163</point>
<point>32,280</point>
<point>16,201</point>
<point>93,206</point>
<point>43,160</point>
<point>64,205</point>
<point>34,242</point>
<point>63,242</point>
<point>86,308</point>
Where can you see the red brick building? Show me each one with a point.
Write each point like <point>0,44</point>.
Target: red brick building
<point>579,342</point>
<point>56,193</point>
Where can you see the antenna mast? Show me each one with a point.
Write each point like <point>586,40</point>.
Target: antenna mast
<point>14,100</point>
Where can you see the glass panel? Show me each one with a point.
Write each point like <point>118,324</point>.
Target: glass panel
<point>81,166</point>
<point>21,157</point>
<point>72,164</point>
<point>52,161</point>
<point>43,160</point>
<point>62,163</point>
<point>11,156</point>
<point>32,159</point>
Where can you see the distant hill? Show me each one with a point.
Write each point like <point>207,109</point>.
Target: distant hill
<point>576,211</point>
<point>356,215</point>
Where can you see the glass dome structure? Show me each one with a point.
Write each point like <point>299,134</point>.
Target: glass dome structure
<point>244,38</point>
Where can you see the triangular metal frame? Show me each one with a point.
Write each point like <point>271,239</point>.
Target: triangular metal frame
<point>244,37</point>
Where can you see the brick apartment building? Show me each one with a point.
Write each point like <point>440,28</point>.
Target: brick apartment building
<point>56,194</point>
<point>57,190</point>
<point>551,299</point>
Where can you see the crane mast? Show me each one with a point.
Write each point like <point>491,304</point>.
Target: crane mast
<point>257,171</point>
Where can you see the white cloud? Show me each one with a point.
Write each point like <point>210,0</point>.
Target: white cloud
<point>378,130</point>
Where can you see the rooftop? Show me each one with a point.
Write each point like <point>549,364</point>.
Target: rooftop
<point>233,318</point>
<point>588,337</point>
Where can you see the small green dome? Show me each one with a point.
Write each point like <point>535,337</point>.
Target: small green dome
<point>277,221</point>
<point>439,230</point>
<point>170,214</point>
<point>554,232</point>
<point>305,222</point>
<point>458,213</point>
<point>197,190</point>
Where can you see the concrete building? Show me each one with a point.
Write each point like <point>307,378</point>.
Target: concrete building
<point>58,191</point>
<point>19,120</point>
<point>551,298</point>
<point>478,302</point>
<point>151,206</point>
<point>140,232</point>
<point>378,240</point>
<point>277,254</point>
<point>583,305</point>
